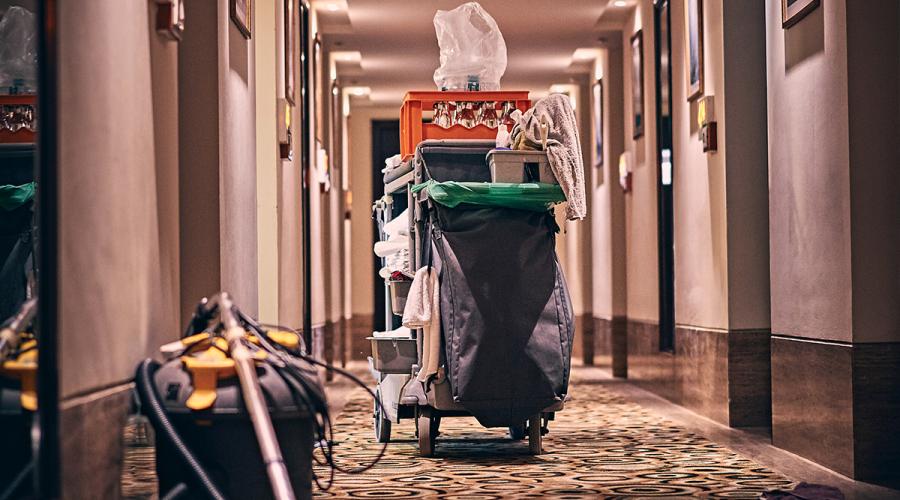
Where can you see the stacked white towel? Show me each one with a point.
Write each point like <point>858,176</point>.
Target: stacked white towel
<point>394,250</point>
<point>397,333</point>
<point>423,311</point>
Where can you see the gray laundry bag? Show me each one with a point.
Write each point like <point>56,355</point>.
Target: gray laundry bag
<point>506,316</point>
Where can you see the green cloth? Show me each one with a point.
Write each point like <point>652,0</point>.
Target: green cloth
<point>13,197</point>
<point>532,196</point>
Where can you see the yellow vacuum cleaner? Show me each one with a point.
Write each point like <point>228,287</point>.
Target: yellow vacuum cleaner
<point>18,400</point>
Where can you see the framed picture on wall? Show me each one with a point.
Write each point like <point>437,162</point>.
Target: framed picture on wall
<point>637,84</point>
<point>693,29</point>
<point>290,50</point>
<point>241,11</point>
<point>597,110</point>
<point>794,10</point>
<point>318,99</point>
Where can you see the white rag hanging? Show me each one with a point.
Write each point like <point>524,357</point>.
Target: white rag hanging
<point>561,143</point>
<point>423,311</point>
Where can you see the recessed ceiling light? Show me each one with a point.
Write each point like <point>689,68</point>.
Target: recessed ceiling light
<point>584,54</point>
<point>620,3</point>
<point>359,91</point>
<point>347,55</point>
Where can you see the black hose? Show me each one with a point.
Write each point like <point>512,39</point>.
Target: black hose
<point>291,371</point>
<point>178,491</point>
<point>160,421</point>
<point>17,482</point>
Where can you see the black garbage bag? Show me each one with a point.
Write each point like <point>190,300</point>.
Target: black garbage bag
<point>507,321</point>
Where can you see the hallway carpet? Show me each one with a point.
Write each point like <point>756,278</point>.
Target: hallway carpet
<point>600,445</point>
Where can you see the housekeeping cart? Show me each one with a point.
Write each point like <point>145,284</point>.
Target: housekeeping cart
<point>506,321</point>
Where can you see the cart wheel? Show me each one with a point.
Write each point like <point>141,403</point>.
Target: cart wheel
<point>382,424</point>
<point>517,432</point>
<point>426,430</point>
<point>534,434</point>
<point>435,427</point>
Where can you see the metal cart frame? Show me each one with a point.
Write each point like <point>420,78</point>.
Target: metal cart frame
<point>403,396</point>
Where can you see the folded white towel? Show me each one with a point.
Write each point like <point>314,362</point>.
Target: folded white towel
<point>423,311</point>
<point>398,226</point>
<point>385,248</point>
<point>398,333</point>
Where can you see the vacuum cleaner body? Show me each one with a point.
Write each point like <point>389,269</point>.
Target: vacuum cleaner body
<point>15,433</point>
<point>222,436</point>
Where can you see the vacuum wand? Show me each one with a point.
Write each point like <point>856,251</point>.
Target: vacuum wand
<point>9,332</point>
<point>253,399</point>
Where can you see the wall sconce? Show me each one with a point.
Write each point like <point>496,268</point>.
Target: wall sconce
<point>706,120</point>
<point>170,19</point>
<point>285,138</point>
<point>625,171</point>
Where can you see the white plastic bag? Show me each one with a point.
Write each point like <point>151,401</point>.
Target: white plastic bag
<point>18,50</point>
<point>473,52</point>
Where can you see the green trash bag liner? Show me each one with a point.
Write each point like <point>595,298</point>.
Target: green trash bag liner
<point>530,196</point>
<point>13,197</point>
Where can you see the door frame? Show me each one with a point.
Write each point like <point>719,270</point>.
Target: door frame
<point>662,17</point>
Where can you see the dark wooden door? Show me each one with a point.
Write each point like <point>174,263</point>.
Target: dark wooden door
<point>385,143</point>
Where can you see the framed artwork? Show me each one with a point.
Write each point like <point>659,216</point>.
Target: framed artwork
<point>241,11</point>
<point>637,84</point>
<point>318,99</point>
<point>597,109</point>
<point>336,133</point>
<point>693,29</point>
<point>794,10</point>
<point>290,51</point>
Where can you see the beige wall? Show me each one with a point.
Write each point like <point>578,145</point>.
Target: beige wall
<point>267,58</point>
<point>164,76</point>
<point>290,272</point>
<point>833,129</point>
<point>574,240</point>
<point>217,158</point>
<point>290,216</point>
<point>640,204</point>
<point>360,160</point>
<point>809,181</point>
<point>701,259</point>
<point>873,65</point>
<point>607,220</point>
<point>237,176</point>
<point>720,198</point>
<point>747,186</point>
<point>112,311</point>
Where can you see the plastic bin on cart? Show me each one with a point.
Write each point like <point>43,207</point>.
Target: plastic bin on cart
<point>399,292</point>
<point>393,355</point>
<point>413,130</point>
<point>520,166</point>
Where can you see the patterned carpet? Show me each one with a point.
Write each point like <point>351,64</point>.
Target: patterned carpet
<point>601,445</point>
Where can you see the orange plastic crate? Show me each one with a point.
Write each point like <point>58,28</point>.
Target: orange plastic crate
<point>413,131</point>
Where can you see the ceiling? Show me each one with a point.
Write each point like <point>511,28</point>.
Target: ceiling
<point>399,48</point>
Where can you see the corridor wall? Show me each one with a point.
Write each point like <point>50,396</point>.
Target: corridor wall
<point>607,220</point>
<point>361,257</point>
<point>719,365</point>
<point>118,226</point>
<point>640,204</point>
<point>833,133</point>
<point>218,181</point>
<point>268,72</point>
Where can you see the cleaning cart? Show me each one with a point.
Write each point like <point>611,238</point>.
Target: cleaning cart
<point>506,322</point>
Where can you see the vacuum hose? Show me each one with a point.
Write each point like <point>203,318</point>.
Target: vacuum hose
<point>157,416</point>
